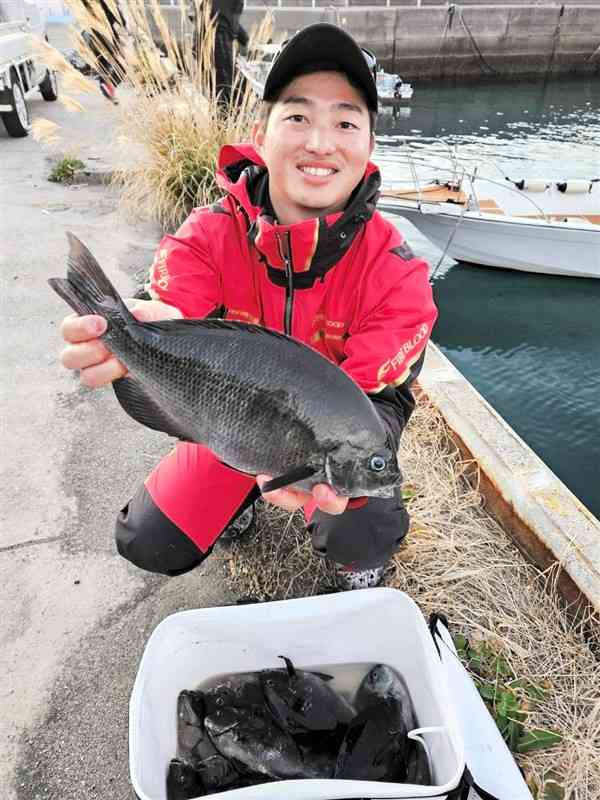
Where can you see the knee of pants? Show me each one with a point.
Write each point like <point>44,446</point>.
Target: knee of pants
<point>364,537</point>
<point>147,538</point>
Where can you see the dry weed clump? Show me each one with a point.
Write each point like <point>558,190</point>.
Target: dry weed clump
<point>459,561</point>
<point>176,119</point>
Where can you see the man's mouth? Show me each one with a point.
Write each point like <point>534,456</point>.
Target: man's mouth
<point>318,172</point>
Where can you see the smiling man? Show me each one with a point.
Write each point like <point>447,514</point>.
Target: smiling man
<point>296,245</point>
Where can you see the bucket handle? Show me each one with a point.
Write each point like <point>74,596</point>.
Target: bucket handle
<point>416,736</point>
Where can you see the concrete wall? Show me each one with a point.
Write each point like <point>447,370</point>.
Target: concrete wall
<point>432,42</point>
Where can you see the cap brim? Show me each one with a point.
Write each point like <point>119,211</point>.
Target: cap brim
<point>321,42</point>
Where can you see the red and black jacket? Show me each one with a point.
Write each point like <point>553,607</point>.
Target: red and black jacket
<point>346,284</point>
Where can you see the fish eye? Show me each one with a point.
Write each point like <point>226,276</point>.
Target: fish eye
<point>377,463</point>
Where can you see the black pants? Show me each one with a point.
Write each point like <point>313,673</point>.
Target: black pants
<point>223,63</point>
<point>361,538</point>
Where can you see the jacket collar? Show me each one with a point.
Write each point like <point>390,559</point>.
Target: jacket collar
<point>312,246</point>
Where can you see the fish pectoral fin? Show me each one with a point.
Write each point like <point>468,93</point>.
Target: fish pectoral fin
<point>136,401</point>
<point>293,476</point>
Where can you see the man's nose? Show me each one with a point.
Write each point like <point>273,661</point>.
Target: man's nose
<point>320,140</point>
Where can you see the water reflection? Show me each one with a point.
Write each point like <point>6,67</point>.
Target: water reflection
<point>529,343</point>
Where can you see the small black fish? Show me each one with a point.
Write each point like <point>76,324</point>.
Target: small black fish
<point>183,782</point>
<point>263,402</point>
<point>242,689</point>
<point>374,747</point>
<point>303,702</point>
<point>383,683</point>
<point>195,747</point>
<point>250,737</point>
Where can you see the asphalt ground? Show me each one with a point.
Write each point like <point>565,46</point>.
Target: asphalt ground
<point>75,615</point>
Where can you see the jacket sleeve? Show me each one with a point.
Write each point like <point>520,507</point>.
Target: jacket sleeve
<point>183,274</point>
<point>385,348</point>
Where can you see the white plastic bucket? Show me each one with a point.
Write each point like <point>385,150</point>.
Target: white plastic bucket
<point>368,626</point>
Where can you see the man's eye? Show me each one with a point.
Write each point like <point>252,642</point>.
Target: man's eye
<point>348,126</point>
<point>296,117</point>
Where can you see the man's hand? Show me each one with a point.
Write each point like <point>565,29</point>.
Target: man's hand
<point>85,352</point>
<point>292,499</point>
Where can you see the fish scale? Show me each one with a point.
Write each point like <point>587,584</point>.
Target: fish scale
<point>260,400</point>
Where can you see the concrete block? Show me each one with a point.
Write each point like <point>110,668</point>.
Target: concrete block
<point>546,520</point>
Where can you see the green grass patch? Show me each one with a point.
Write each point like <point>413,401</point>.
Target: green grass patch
<point>511,701</point>
<point>65,169</point>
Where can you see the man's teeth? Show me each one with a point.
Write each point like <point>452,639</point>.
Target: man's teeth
<point>317,171</point>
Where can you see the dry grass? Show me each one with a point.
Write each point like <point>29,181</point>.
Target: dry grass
<point>459,561</point>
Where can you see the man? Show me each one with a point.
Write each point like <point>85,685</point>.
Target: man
<point>295,245</point>
<point>106,49</point>
<point>227,15</point>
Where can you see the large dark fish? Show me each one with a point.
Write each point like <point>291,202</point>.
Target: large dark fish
<point>250,737</point>
<point>314,714</point>
<point>374,748</point>
<point>303,702</point>
<point>384,683</point>
<point>261,401</point>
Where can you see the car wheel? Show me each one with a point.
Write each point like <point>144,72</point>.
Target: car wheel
<point>49,86</point>
<point>16,121</point>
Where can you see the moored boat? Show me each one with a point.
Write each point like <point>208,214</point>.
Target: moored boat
<point>544,226</point>
<point>391,89</point>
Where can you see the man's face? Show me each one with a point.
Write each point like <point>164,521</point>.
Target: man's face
<point>316,146</point>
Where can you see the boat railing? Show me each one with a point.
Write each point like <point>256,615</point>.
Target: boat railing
<point>457,174</point>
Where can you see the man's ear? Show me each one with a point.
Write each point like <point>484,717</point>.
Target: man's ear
<point>372,145</point>
<point>257,135</point>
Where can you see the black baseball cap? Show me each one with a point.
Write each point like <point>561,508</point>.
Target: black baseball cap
<point>318,43</point>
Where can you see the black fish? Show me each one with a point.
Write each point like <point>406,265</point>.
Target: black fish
<point>195,747</point>
<point>240,689</point>
<point>250,737</point>
<point>303,702</point>
<point>260,400</point>
<point>383,683</point>
<point>183,782</point>
<point>374,747</point>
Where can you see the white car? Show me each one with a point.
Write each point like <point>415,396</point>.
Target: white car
<point>21,74</point>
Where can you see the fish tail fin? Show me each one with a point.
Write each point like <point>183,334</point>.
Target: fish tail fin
<point>86,288</point>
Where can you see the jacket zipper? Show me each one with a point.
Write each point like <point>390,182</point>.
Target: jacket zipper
<point>286,255</point>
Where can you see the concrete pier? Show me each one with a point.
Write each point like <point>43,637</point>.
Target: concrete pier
<point>421,40</point>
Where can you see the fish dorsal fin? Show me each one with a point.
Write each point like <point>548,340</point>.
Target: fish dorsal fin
<point>291,670</point>
<point>144,409</point>
<point>293,476</point>
<point>192,327</point>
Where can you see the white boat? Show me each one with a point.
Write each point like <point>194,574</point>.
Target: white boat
<point>544,226</point>
<point>391,89</point>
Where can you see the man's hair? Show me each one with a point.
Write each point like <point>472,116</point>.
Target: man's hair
<point>266,106</point>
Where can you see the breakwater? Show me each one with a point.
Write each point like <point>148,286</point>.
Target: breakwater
<point>456,42</point>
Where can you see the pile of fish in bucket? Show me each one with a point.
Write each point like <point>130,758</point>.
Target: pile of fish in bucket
<point>248,728</point>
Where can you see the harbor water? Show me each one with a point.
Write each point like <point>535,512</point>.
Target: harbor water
<point>530,344</point>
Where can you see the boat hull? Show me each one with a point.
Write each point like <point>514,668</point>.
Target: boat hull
<point>530,246</point>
